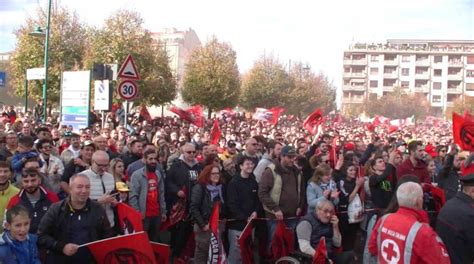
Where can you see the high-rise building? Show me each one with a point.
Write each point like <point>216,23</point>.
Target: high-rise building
<point>441,70</point>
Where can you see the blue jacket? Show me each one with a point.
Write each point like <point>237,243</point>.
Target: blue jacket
<point>18,252</point>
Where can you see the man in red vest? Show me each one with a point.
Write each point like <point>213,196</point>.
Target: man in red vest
<point>405,236</point>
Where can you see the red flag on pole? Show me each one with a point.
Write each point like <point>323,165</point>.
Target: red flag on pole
<point>193,114</point>
<point>276,112</point>
<point>283,242</point>
<point>130,220</point>
<point>245,242</point>
<point>312,122</point>
<point>145,114</point>
<point>463,131</point>
<point>216,249</point>
<point>268,115</point>
<point>321,253</point>
<point>215,132</point>
<point>161,252</point>
<point>132,248</point>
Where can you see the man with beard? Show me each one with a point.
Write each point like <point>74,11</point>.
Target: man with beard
<point>272,154</point>
<point>448,178</point>
<point>414,164</point>
<point>135,153</point>
<point>7,190</point>
<point>148,194</point>
<point>73,150</point>
<point>34,197</point>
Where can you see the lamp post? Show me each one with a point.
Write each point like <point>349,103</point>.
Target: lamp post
<point>39,32</point>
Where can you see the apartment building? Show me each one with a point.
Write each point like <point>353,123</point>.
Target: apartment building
<point>441,70</point>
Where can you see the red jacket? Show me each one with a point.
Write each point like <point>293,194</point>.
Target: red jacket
<point>397,230</point>
<point>419,170</point>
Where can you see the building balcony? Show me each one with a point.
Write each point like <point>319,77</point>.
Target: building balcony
<point>422,89</point>
<point>457,90</point>
<point>457,64</point>
<point>449,104</point>
<point>353,100</point>
<point>425,62</point>
<point>354,87</point>
<point>388,88</point>
<point>422,76</point>
<point>355,62</point>
<point>455,77</point>
<point>390,62</point>
<point>391,75</point>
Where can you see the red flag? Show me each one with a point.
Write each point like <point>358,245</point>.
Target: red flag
<point>245,242</point>
<point>463,131</point>
<point>215,132</point>
<point>216,249</point>
<point>276,112</point>
<point>312,122</point>
<point>283,242</point>
<point>132,248</point>
<point>228,112</point>
<point>145,114</point>
<point>161,252</point>
<point>438,197</point>
<point>178,213</point>
<point>321,253</point>
<point>130,220</point>
<point>193,114</point>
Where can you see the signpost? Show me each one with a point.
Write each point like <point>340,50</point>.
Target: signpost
<point>33,74</point>
<point>75,94</point>
<point>127,89</point>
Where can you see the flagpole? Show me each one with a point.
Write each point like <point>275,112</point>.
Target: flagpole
<point>110,238</point>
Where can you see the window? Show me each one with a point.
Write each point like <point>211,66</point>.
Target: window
<point>406,58</point>
<point>405,84</point>
<point>390,57</point>
<point>374,58</point>
<point>470,73</point>
<point>436,86</point>
<point>388,69</point>
<point>374,84</point>
<point>374,71</point>
<point>438,59</point>
<point>469,86</point>
<point>470,59</point>
<point>405,71</point>
<point>436,99</point>
<point>438,72</point>
<point>421,70</point>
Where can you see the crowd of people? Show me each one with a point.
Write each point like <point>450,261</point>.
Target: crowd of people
<point>375,195</point>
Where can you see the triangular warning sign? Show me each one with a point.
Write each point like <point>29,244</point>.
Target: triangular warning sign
<point>128,69</point>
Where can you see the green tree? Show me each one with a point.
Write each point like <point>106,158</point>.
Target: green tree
<point>124,34</point>
<point>310,91</point>
<point>398,104</point>
<point>266,85</point>
<point>212,77</point>
<point>66,49</point>
<point>463,104</point>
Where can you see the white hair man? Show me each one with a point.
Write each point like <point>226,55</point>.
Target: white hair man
<point>405,236</point>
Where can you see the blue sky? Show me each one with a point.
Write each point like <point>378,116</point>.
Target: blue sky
<point>314,32</point>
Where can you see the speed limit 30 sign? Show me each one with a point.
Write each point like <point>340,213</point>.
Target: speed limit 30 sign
<point>127,90</point>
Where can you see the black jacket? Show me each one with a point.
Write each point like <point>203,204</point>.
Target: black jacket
<point>70,169</point>
<point>242,201</point>
<point>180,175</point>
<point>381,188</point>
<point>448,178</point>
<point>201,205</point>
<point>129,158</point>
<point>55,227</point>
<point>454,226</point>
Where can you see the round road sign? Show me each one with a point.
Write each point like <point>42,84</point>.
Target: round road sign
<point>127,89</point>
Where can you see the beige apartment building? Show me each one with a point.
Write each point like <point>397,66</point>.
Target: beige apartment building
<point>441,70</point>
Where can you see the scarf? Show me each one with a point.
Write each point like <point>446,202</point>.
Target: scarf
<point>215,190</point>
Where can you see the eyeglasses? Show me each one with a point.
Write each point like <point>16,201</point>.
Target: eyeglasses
<point>101,165</point>
<point>326,211</point>
<point>191,152</point>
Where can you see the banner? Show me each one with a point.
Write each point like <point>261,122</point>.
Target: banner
<point>312,122</point>
<point>129,219</point>
<point>161,252</point>
<point>245,242</point>
<point>216,249</point>
<point>215,132</point>
<point>283,241</point>
<point>193,114</point>
<point>133,248</point>
<point>463,131</point>
<point>268,115</point>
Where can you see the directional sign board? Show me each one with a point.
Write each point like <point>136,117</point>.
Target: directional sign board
<point>128,69</point>
<point>102,95</point>
<point>35,74</point>
<point>75,94</point>
<point>127,90</point>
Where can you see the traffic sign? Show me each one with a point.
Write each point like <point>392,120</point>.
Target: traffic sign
<point>128,90</point>
<point>128,70</point>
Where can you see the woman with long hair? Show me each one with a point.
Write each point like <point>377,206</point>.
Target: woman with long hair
<point>117,169</point>
<point>204,195</point>
<point>321,186</point>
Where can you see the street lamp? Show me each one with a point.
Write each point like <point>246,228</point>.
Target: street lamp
<point>39,33</point>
